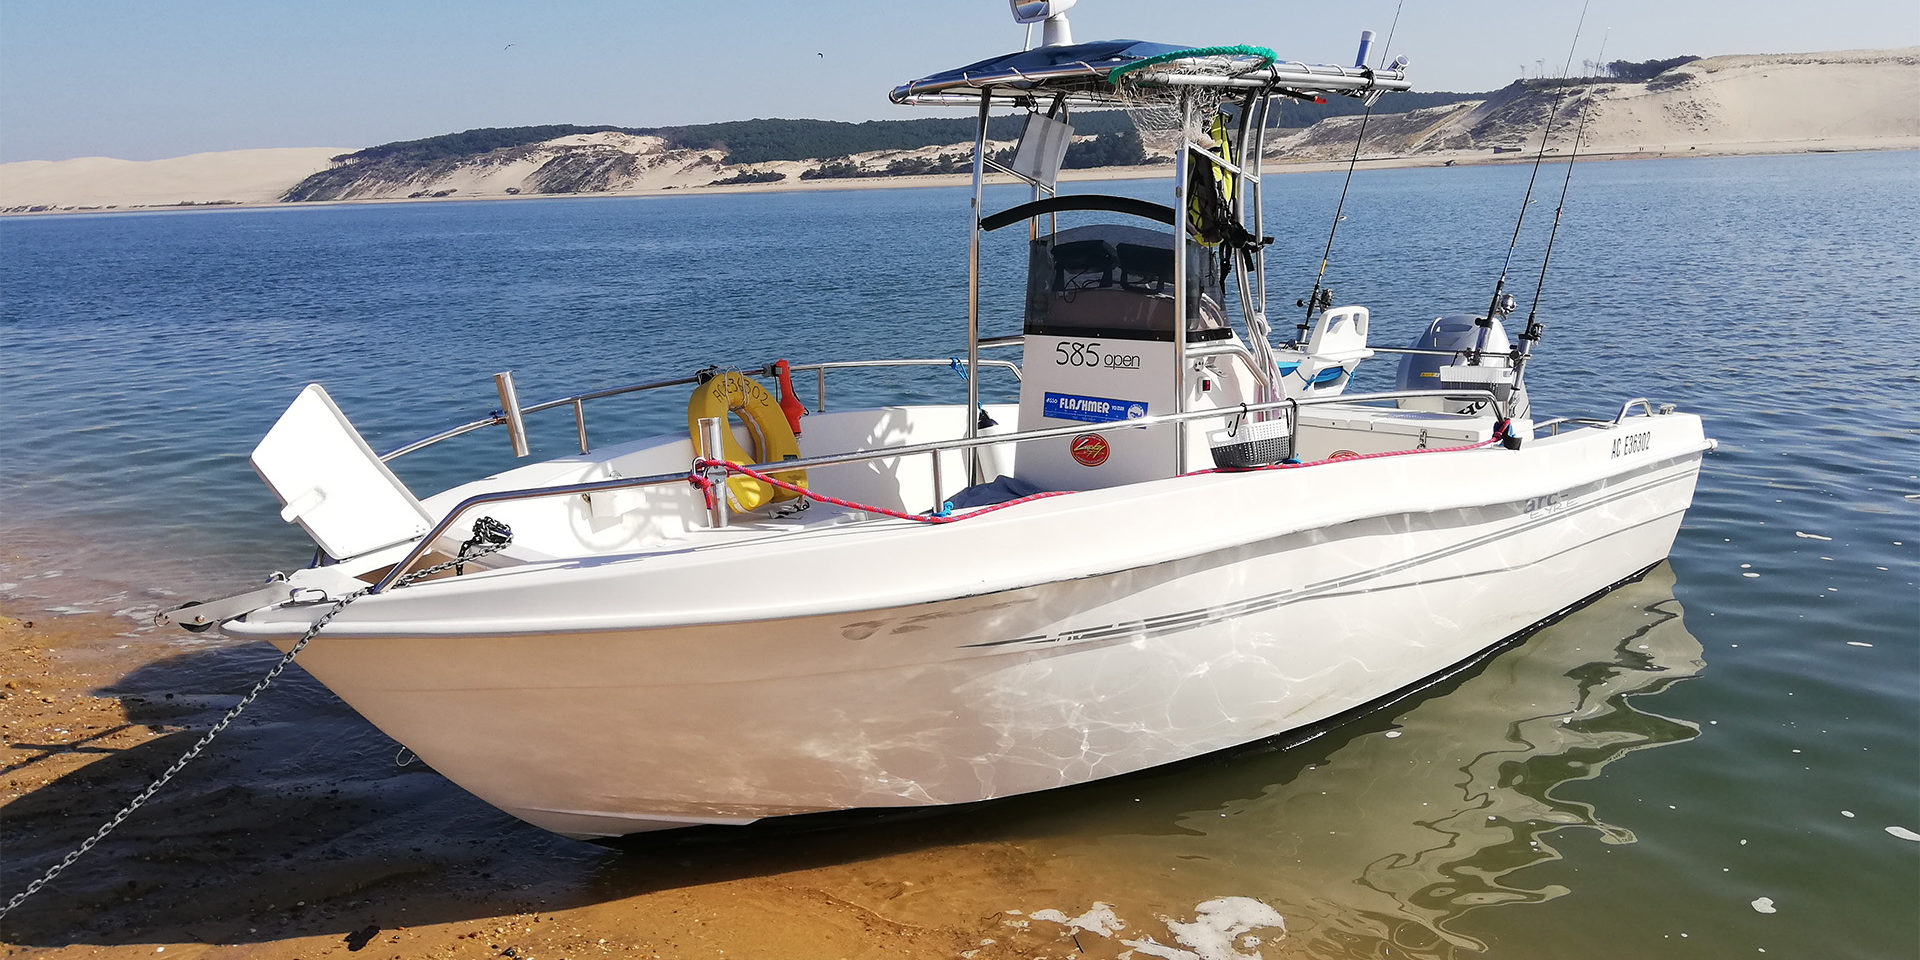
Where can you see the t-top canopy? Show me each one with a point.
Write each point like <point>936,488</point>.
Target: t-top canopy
<point>1089,72</point>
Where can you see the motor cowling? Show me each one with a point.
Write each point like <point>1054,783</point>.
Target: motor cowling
<point>1460,335</point>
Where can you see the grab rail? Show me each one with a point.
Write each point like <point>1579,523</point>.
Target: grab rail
<point>1228,348</point>
<point>935,447</point>
<point>820,369</point>
<point>1557,422</point>
<point>1642,401</point>
<point>578,400</point>
<point>1617,420</point>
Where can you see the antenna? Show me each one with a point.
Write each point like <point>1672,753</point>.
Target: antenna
<point>1534,327</point>
<point>1315,301</point>
<point>1050,14</point>
<point>1494,310</point>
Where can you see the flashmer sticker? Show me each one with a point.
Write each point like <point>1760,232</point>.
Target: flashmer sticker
<point>1069,406</point>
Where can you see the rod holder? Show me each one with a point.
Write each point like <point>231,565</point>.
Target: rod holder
<point>712,449</point>
<point>510,412</point>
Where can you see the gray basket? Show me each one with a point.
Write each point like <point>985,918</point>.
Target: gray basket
<point>1251,445</point>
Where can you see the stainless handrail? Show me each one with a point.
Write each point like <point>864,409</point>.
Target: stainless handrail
<point>421,546</point>
<point>1642,401</point>
<point>580,415</point>
<point>1231,349</point>
<point>578,400</point>
<point>820,370</point>
<point>1556,423</point>
<point>1419,351</point>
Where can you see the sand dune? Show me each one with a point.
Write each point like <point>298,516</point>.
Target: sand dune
<point>1847,95</point>
<point>609,162</point>
<point>233,176</point>
<point>1773,103</point>
<point>1847,100</point>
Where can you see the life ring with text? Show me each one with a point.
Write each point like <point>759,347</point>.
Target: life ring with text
<point>733,392</point>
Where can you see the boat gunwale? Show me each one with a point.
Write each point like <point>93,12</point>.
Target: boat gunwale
<point>935,447</point>
<point>490,580</point>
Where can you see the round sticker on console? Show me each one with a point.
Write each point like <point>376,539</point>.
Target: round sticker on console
<point>1090,449</point>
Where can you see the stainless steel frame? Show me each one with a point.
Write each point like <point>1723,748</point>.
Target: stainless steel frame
<point>1181,224</point>
<point>934,448</point>
<point>578,401</point>
<point>973,283</point>
<point>820,394</point>
<point>1055,88</point>
<point>1025,87</point>
<point>1083,84</point>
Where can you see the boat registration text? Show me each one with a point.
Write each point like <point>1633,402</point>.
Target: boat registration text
<point>1632,443</point>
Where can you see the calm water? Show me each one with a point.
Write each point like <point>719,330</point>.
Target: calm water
<point>1517,809</point>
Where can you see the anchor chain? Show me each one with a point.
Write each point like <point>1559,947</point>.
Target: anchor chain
<point>489,536</point>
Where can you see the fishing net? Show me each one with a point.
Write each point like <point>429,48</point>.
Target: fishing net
<point>1169,96</point>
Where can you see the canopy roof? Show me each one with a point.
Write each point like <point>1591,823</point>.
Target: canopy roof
<point>1087,72</point>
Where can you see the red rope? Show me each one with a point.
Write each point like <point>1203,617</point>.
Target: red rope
<point>1500,433</point>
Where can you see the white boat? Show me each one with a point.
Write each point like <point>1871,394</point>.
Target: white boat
<point>1182,538</point>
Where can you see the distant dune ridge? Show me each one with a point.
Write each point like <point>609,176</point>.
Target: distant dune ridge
<point>1774,103</point>
<point>608,162</point>
<point>233,176</point>
<point>1850,99</point>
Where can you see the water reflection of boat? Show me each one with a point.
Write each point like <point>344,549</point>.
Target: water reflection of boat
<point>1376,846</point>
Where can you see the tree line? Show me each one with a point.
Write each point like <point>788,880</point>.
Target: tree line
<point>741,141</point>
<point>1116,142</point>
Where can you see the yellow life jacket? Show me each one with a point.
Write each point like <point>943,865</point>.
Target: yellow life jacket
<point>1210,190</point>
<point>736,393</point>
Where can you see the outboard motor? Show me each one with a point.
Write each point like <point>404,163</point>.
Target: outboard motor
<point>1460,334</point>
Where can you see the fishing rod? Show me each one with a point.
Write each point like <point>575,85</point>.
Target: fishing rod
<point>1314,301</point>
<point>1494,310</point>
<point>1535,328</point>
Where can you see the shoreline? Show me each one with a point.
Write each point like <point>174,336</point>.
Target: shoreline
<point>1448,158</point>
<point>294,835</point>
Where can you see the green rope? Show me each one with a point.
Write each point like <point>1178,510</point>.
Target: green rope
<point>1266,56</point>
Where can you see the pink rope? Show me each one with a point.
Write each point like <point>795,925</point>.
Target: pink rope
<point>706,486</point>
<point>703,483</point>
<point>1350,459</point>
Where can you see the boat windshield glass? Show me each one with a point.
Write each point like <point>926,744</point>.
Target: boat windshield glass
<point>1117,281</point>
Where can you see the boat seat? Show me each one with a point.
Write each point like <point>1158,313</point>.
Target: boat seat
<point>1337,344</point>
<point>1322,378</point>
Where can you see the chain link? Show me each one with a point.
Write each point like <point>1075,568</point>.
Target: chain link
<point>495,543</point>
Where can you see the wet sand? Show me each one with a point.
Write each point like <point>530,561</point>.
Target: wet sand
<point>295,835</point>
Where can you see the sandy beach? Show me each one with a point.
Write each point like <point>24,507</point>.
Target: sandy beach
<point>227,863</point>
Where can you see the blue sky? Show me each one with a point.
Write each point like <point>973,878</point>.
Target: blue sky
<point>143,80</point>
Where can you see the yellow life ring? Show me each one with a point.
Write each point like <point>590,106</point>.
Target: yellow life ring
<point>773,441</point>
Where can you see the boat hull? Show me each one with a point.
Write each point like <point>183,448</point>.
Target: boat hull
<point>607,732</point>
